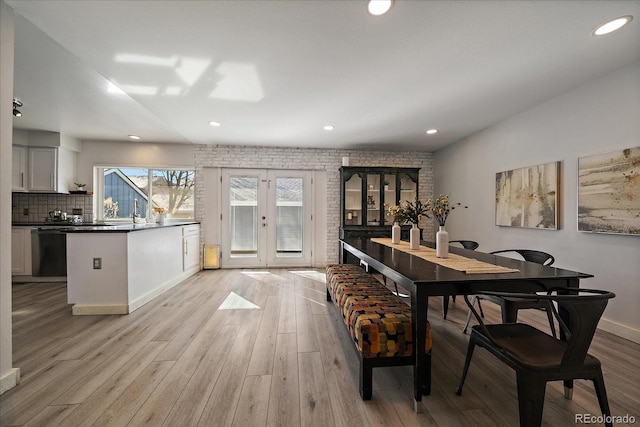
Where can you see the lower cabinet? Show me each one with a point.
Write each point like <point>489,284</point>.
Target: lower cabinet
<point>21,251</point>
<point>190,247</point>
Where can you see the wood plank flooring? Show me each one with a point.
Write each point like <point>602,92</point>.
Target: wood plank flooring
<point>256,348</point>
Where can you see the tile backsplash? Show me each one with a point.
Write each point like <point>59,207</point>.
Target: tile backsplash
<point>35,207</point>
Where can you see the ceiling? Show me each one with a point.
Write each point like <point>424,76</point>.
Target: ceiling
<point>273,73</point>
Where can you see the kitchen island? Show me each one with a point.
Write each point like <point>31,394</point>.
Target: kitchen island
<point>115,269</point>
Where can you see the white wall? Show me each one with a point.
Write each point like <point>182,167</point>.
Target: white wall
<point>601,116</point>
<point>9,376</point>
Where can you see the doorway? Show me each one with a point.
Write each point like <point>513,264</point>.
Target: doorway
<point>266,218</point>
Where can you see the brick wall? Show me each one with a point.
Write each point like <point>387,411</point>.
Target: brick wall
<point>328,160</point>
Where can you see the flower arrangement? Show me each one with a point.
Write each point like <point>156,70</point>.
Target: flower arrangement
<point>440,208</point>
<point>408,212</point>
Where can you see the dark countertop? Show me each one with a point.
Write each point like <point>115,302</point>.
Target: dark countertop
<point>124,227</point>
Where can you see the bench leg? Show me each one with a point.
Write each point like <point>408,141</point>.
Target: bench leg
<point>328,295</point>
<point>366,380</point>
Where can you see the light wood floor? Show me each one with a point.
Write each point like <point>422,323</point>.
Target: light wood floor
<point>251,348</point>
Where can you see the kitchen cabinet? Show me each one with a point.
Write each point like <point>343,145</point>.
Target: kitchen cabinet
<point>366,193</point>
<point>42,169</point>
<point>21,251</point>
<point>19,168</point>
<point>190,247</point>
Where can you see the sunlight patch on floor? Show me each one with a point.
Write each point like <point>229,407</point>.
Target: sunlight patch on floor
<point>236,302</point>
<point>311,274</point>
<point>263,276</point>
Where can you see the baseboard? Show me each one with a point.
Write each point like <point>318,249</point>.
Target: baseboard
<point>92,310</point>
<point>620,330</point>
<point>136,304</point>
<point>9,380</point>
<point>88,310</point>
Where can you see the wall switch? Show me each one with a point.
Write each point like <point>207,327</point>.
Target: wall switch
<point>97,263</point>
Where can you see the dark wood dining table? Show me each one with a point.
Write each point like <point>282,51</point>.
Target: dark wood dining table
<point>423,279</point>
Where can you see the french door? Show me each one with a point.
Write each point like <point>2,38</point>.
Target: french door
<point>266,218</point>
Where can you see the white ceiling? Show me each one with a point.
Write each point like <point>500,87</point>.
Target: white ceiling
<point>273,73</point>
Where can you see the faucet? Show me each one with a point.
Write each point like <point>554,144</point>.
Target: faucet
<point>135,210</point>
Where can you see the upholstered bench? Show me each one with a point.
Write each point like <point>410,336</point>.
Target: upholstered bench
<point>378,321</point>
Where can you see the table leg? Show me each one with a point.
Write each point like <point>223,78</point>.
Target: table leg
<point>564,315</point>
<point>422,365</point>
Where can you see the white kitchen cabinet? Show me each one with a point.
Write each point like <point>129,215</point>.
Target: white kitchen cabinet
<point>43,168</point>
<point>21,251</point>
<point>19,168</point>
<point>190,247</point>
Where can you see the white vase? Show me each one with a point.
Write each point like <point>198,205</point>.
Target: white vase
<point>442,243</point>
<point>395,233</point>
<point>414,237</point>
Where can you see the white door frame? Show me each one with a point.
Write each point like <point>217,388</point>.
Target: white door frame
<point>265,220</point>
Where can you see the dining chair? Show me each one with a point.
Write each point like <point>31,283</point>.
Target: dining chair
<point>510,305</point>
<point>467,244</point>
<point>537,357</point>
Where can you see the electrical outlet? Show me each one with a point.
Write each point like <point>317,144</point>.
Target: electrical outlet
<point>97,263</point>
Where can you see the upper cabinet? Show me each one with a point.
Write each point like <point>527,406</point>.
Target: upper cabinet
<point>367,192</point>
<point>19,168</point>
<point>42,169</point>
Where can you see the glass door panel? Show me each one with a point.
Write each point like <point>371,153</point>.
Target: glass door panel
<point>243,216</point>
<point>373,199</point>
<point>289,217</point>
<point>389,197</point>
<point>353,201</point>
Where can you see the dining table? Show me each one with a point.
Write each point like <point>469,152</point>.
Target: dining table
<point>464,272</point>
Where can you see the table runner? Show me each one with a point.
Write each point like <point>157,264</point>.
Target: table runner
<point>454,261</point>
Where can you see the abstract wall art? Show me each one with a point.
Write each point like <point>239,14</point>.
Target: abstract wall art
<point>528,197</point>
<point>609,192</point>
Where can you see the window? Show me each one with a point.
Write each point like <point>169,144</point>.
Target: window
<point>170,191</point>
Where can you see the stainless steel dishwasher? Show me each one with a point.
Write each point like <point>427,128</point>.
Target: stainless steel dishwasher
<point>48,252</point>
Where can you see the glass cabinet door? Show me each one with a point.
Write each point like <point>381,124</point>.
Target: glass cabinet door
<point>389,197</point>
<point>408,189</point>
<point>373,199</point>
<point>353,201</point>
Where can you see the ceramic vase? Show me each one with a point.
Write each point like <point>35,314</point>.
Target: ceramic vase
<point>395,233</point>
<point>414,237</point>
<point>442,243</point>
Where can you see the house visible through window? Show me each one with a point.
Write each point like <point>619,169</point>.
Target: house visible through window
<point>168,191</point>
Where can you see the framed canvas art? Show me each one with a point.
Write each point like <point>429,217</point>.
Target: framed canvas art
<point>528,197</point>
<point>609,192</point>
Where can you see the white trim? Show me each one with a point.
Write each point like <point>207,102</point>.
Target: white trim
<point>620,330</point>
<point>9,380</point>
<point>87,310</point>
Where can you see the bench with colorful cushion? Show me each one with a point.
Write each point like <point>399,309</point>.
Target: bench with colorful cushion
<point>378,321</point>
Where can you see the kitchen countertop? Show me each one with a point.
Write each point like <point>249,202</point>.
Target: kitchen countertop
<point>124,227</point>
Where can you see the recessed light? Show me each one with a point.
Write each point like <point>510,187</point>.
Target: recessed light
<point>328,127</point>
<point>214,124</point>
<point>136,137</point>
<point>613,25</point>
<point>432,131</point>
<point>379,7</point>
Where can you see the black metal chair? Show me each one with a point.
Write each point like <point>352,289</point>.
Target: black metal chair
<point>467,244</point>
<point>510,305</point>
<point>538,358</point>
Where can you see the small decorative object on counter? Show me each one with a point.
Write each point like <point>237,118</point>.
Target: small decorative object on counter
<point>159,215</point>
<point>409,212</point>
<point>395,233</point>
